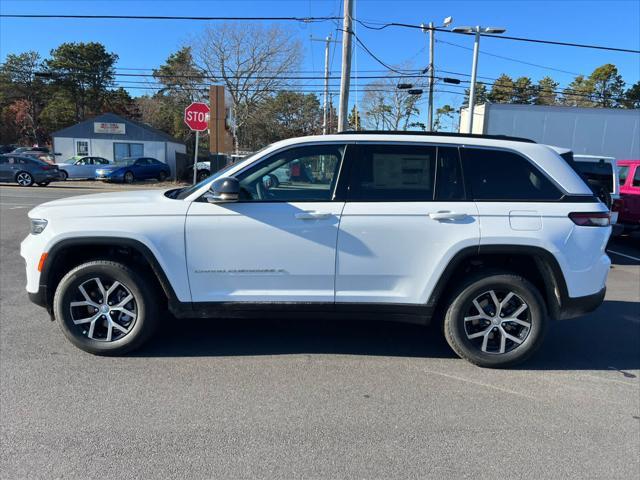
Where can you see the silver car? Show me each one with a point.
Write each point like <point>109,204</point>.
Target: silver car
<point>81,167</point>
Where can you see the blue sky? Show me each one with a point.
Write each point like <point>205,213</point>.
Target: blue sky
<point>146,44</point>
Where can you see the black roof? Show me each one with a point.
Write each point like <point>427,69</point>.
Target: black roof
<point>437,134</point>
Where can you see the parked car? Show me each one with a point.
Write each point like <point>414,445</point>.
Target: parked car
<point>79,167</point>
<point>20,150</point>
<point>7,148</point>
<point>45,157</point>
<point>130,169</point>
<point>26,171</point>
<point>629,203</point>
<point>387,227</point>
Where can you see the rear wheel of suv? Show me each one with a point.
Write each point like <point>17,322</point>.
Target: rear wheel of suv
<point>496,320</point>
<point>106,308</point>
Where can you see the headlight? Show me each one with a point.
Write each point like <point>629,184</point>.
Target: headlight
<point>38,225</point>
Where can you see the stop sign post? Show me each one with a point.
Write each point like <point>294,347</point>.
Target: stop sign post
<point>196,116</point>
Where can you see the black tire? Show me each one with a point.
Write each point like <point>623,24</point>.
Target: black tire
<point>43,184</point>
<point>129,177</point>
<point>24,179</point>
<point>145,305</point>
<point>63,175</point>
<point>461,303</point>
<point>162,176</point>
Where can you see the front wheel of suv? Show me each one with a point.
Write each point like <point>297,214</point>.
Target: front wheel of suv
<point>106,308</point>
<point>496,320</point>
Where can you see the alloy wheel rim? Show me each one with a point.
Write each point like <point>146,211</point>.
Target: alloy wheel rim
<point>24,179</point>
<point>103,309</point>
<point>497,321</point>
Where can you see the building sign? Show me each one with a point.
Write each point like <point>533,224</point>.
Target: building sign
<point>107,127</point>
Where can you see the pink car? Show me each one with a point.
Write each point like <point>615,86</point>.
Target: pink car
<point>629,204</point>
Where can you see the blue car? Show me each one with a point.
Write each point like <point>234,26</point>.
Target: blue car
<point>130,169</point>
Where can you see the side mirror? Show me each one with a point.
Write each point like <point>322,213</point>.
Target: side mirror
<point>226,189</point>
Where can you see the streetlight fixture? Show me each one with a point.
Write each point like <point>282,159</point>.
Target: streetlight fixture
<point>477,31</point>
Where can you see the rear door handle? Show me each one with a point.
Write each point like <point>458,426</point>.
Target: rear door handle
<point>312,215</point>
<point>446,215</point>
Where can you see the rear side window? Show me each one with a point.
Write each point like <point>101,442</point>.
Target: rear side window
<point>636,178</point>
<point>449,184</point>
<point>393,173</point>
<point>502,175</point>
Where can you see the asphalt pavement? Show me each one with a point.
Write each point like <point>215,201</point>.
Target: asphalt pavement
<point>283,399</point>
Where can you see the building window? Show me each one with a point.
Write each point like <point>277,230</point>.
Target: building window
<point>123,150</point>
<point>82,148</point>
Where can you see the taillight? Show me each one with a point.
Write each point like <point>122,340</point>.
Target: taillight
<point>590,219</point>
<point>47,167</point>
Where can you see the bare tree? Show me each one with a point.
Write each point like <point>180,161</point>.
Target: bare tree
<point>388,108</point>
<point>250,61</point>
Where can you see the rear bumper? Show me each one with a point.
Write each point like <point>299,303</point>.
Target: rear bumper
<point>573,307</point>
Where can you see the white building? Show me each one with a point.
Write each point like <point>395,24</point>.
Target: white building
<point>113,137</point>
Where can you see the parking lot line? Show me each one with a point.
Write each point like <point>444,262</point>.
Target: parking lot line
<point>624,255</point>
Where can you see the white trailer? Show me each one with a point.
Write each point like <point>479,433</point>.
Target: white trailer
<point>613,132</point>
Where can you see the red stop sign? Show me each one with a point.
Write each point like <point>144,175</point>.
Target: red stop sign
<point>196,116</point>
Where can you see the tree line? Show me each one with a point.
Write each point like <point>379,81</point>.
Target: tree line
<point>256,64</point>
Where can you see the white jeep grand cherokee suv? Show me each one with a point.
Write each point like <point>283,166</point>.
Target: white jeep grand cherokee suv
<point>491,236</point>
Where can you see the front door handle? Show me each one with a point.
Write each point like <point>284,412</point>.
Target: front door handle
<point>312,215</point>
<point>447,215</point>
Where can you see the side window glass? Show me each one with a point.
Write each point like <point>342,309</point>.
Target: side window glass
<point>623,171</point>
<point>636,178</point>
<point>4,160</point>
<point>449,183</point>
<point>502,175</point>
<point>393,173</point>
<point>295,175</point>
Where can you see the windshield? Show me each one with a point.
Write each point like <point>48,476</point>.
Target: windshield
<point>184,193</point>
<point>597,173</point>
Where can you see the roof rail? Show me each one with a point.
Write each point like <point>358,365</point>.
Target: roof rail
<point>436,134</point>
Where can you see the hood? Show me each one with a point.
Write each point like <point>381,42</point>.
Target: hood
<point>104,204</point>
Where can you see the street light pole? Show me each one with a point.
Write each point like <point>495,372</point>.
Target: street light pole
<point>474,72</point>
<point>477,31</point>
<point>431,75</point>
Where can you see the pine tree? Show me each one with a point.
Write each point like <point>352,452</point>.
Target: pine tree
<point>502,90</point>
<point>524,91</point>
<point>546,91</point>
<point>608,86</point>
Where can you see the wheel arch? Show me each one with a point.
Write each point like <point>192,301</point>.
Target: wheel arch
<point>59,261</point>
<point>536,264</point>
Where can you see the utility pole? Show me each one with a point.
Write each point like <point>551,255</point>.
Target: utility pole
<point>431,74</point>
<point>325,102</point>
<point>346,66</point>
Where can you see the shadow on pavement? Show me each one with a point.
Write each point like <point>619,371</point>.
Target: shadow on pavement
<point>607,339</point>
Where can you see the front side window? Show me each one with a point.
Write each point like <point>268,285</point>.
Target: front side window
<point>501,175</point>
<point>623,172</point>
<point>393,173</point>
<point>296,175</point>
<point>636,178</point>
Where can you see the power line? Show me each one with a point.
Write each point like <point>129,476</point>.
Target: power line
<point>501,37</point>
<point>546,67</point>
<point>169,17</point>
